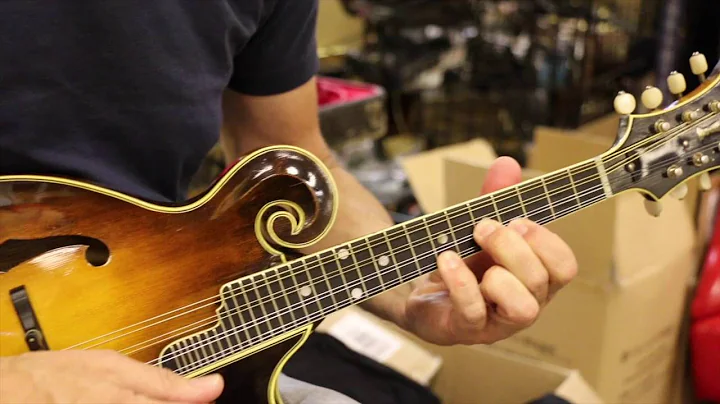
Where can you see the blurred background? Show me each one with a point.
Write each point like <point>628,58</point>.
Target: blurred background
<point>404,81</point>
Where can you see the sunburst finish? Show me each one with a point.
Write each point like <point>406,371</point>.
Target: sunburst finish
<point>163,260</point>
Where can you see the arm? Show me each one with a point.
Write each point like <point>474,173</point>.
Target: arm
<point>290,118</point>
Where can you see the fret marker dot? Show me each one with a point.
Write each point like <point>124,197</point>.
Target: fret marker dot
<point>356,293</point>
<point>384,260</point>
<point>442,239</point>
<point>343,253</point>
<point>305,291</point>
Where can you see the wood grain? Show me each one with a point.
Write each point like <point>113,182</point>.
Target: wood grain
<point>162,257</point>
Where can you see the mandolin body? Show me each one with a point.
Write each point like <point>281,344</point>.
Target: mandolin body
<point>104,270</point>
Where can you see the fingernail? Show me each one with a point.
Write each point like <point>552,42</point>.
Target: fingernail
<point>449,260</point>
<point>518,226</point>
<point>485,228</point>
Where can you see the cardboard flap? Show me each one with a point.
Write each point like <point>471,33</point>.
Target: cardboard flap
<point>576,390</point>
<point>425,170</point>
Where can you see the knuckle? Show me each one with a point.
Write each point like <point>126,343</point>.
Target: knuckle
<point>500,239</point>
<point>537,281</point>
<point>474,313</point>
<point>525,314</point>
<point>567,272</point>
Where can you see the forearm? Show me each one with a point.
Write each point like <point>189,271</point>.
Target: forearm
<point>359,214</point>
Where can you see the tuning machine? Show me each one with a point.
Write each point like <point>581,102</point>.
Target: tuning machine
<point>624,103</point>
<point>699,65</point>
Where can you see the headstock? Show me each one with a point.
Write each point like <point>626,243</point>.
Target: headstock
<point>658,152</point>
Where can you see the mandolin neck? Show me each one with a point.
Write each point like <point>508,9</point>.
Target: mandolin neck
<point>304,291</point>
<point>271,303</point>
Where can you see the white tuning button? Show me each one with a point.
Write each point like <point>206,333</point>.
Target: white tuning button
<point>654,208</point>
<point>676,83</point>
<point>624,103</point>
<point>705,182</point>
<point>699,65</point>
<point>652,97</point>
<point>674,171</point>
<point>680,192</point>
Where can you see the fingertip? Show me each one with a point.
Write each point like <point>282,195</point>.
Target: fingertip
<point>505,171</point>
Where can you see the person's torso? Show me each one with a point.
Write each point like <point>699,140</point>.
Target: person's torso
<point>123,93</point>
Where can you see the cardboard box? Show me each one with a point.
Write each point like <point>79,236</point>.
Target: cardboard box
<point>618,322</point>
<point>458,374</point>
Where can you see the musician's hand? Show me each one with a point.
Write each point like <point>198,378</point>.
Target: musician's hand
<point>495,293</point>
<point>97,377</point>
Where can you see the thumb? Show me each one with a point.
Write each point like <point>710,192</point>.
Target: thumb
<point>504,172</point>
<point>163,384</point>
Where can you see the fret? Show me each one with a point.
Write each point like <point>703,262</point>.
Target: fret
<point>374,263</point>
<point>536,201</point>
<point>305,288</point>
<point>349,272</point>
<point>181,355</point>
<point>200,346</point>
<point>400,277</point>
<point>589,185</point>
<point>247,320</point>
<point>335,279</point>
<point>520,201</point>
<point>363,261</point>
<point>561,193</point>
<point>230,317</point>
<point>383,260</point>
<point>403,252</point>
<point>266,301</point>
<point>484,208</point>
<point>255,306</point>
<point>422,246</point>
<point>291,285</point>
<point>572,184</point>
<point>318,277</point>
<point>496,211</point>
<point>223,339</point>
<point>463,224</point>
<point>280,303</point>
<point>508,205</point>
<point>207,346</point>
<point>196,355</point>
<point>438,226</point>
<point>547,196</point>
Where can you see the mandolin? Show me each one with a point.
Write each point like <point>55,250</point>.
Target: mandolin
<point>216,283</point>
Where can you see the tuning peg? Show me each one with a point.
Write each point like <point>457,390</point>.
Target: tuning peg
<point>699,65</point>
<point>652,97</point>
<point>680,192</point>
<point>654,208</point>
<point>676,83</point>
<point>705,182</point>
<point>624,103</point>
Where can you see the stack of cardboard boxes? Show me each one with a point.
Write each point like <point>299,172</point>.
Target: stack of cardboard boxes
<point>619,322</point>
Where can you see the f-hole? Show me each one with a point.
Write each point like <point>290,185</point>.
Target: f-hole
<point>14,252</point>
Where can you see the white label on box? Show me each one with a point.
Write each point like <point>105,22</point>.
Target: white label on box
<point>365,337</point>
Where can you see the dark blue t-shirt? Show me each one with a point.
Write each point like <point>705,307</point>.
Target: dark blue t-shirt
<point>127,93</point>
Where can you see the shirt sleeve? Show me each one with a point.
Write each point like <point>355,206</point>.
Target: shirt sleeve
<point>282,54</point>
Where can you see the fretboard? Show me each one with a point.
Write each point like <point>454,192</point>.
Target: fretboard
<point>306,290</point>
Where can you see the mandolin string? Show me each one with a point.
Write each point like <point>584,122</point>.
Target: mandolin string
<point>205,343</point>
<point>474,205</point>
<point>636,145</point>
<point>322,295</point>
<point>509,208</point>
<point>330,291</point>
<point>329,275</point>
<point>208,359</point>
<point>277,315</point>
